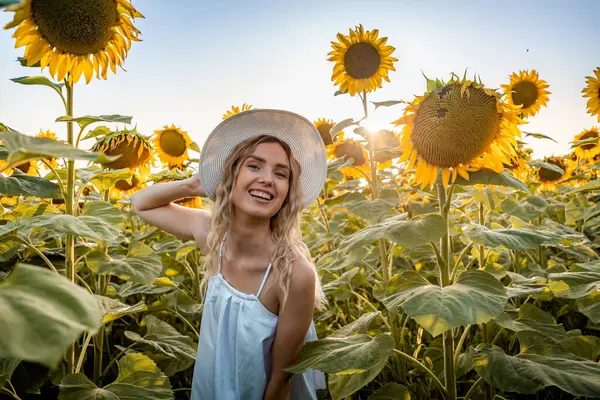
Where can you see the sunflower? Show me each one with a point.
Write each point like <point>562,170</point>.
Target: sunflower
<point>362,60</point>
<point>177,175</point>
<point>324,126</point>
<point>457,127</point>
<point>72,38</point>
<point>123,187</point>
<point>30,167</point>
<point>518,165</point>
<point>135,151</point>
<point>590,150</point>
<point>236,110</point>
<point>549,178</point>
<point>528,91</point>
<point>592,90</point>
<point>49,135</point>
<point>171,145</point>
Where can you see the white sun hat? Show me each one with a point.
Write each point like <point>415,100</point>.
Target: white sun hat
<point>295,130</point>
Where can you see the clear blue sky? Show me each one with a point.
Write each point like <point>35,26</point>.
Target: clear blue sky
<point>198,58</point>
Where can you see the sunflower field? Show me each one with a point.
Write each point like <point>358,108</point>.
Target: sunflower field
<point>455,265</point>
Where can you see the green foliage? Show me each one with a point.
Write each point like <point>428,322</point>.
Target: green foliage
<point>45,313</point>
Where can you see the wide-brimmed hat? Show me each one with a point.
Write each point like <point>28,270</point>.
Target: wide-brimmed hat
<point>295,130</point>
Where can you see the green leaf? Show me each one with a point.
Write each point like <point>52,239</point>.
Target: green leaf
<point>530,373</point>
<point>548,166</point>
<point>588,212</point>
<point>20,184</point>
<point>176,352</point>
<point>388,103</point>
<point>45,312</point>
<point>590,306</point>
<point>139,378</point>
<point>529,209</point>
<point>538,136</point>
<point>39,80</point>
<point>587,187</point>
<point>7,367</point>
<point>84,226</point>
<point>140,265</point>
<point>5,3</point>
<point>106,179</point>
<point>343,282</point>
<point>23,147</point>
<point>476,297</point>
<point>524,286</point>
<point>90,119</point>
<point>489,177</point>
<point>533,319</point>
<point>353,354</point>
<point>98,131</point>
<point>406,233</point>
<point>340,126</point>
<point>361,325</point>
<point>113,309</point>
<point>391,391</point>
<point>584,142</point>
<point>513,239</point>
<point>583,346</point>
<point>342,385</point>
<point>103,210</point>
<point>373,210</point>
<point>580,281</point>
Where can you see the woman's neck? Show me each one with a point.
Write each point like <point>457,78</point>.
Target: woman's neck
<point>249,239</point>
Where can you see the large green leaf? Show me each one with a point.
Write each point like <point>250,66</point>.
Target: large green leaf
<point>406,233</point>
<point>22,147</point>
<point>373,210</point>
<point>580,281</point>
<point>532,318</point>
<point>524,286</point>
<point>513,239</point>
<point>342,385</point>
<point>176,352</point>
<point>526,210</point>
<point>489,177</point>
<point>547,166</point>
<point>20,184</point>
<point>352,354</point>
<point>530,373</point>
<point>139,378</point>
<point>113,309</point>
<point>587,187</point>
<point>361,325</point>
<point>391,391</point>
<point>476,297</point>
<point>90,119</point>
<point>84,226</point>
<point>340,126</point>
<point>590,306</point>
<point>45,313</point>
<point>351,362</point>
<point>583,346</point>
<point>39,80</point>
<point>103,210</point>
<point>140,265</point>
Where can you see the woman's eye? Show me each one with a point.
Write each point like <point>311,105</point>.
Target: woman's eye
<point>252,166</point>
<point>281,174</point>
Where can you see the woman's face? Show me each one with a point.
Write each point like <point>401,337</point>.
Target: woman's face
<point>263,181</point>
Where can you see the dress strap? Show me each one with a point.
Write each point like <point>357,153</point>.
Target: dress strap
<point>262,284</point>
<point>221,252</point>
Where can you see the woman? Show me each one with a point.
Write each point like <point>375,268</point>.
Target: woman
<point>261,167</point>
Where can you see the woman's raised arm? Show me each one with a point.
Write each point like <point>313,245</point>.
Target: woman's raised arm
<point>154,205</point>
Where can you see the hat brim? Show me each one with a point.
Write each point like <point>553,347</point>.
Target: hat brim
<point>298,132</point>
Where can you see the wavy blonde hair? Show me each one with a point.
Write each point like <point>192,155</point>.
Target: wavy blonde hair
<point>285,224</point>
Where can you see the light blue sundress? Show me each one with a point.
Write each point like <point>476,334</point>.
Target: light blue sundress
<point>234,351</point>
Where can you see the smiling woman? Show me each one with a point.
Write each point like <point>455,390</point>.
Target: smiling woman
<point>261,167</point>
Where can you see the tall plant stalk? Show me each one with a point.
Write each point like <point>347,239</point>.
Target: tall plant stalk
<point>485,327</point>
<point>70,209</point>
<point>448,339</point>
<point>385,265</point>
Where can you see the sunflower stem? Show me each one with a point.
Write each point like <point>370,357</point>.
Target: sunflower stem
<point>448,339</point>
<point>69,202</point>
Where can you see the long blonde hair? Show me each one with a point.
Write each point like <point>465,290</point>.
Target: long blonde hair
<point>285,224</point>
